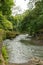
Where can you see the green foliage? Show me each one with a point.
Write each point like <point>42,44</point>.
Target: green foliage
<point>11,34</point>
<point>5,6</point>
<point>33,20</point>
<point>30,21</point>
<point>13,21</point>
<point>2,35</point>
<point>4,23</point>
<point>4,53</point>
<point>7,24</point>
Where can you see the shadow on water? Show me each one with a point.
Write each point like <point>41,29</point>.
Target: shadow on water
<point>32,42</point>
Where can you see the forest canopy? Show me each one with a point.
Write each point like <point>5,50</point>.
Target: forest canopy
<point>31,21</point>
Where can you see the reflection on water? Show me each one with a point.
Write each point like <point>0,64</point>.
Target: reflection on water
<point>21,53</point>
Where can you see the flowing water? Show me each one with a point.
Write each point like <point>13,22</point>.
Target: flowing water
<point>19,52</point>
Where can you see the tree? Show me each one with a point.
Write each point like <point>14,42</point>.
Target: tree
<point>5,24</point>
<point>5,7</point>
<point>33,21</point>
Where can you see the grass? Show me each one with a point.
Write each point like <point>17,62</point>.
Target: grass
<point>4,53</point>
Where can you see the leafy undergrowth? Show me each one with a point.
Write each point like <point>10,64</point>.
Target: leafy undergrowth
<point>2,35</point>
<point>11,34</point>
<point>7,34</point>
<point>4,53</point>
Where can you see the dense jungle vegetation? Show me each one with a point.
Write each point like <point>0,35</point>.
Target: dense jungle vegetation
<point>31,21</point>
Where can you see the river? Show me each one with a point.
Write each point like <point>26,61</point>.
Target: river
<point>19,52</point>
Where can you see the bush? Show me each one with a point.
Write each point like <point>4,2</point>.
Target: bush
<point>7,34</point>
<point>2,35</point>
<point>11,34</point>
<point>4,23</point>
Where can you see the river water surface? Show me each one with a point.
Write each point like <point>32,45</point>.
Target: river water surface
<point>19,52</point>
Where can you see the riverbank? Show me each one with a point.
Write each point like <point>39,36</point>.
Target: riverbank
<point>16,45</point>
<point>33,41</point>
<point>37,42</point>
<point>5,35</point>
<point>33,61</point>
<point>19,52</point>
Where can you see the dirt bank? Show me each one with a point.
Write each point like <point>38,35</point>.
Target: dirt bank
<point>37,42</point>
